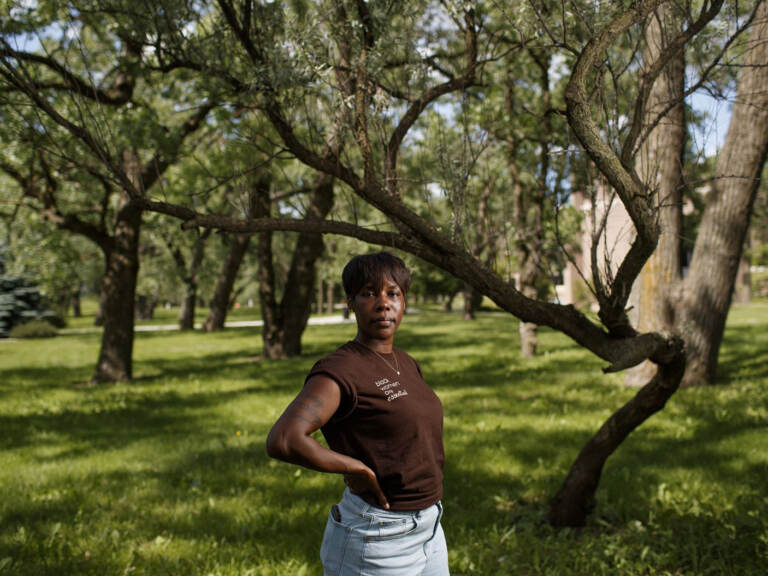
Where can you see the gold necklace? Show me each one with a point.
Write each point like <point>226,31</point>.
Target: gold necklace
<point>395,368</point>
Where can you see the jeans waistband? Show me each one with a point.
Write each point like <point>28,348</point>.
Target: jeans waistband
<point>356,504</point>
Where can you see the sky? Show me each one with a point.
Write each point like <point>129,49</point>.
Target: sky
<point>711,139</point>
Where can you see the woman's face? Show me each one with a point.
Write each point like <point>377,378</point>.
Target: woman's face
<point>378,310</point>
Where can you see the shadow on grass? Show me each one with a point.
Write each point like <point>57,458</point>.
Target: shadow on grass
<point>225,500</point>
<point>744,354</point>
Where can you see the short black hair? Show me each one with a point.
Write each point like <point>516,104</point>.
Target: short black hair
<point>374,269</point>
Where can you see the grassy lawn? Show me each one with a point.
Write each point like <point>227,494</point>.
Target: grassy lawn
<point>168,474</point>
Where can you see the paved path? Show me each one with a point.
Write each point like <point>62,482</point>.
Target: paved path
<point>236,324</point>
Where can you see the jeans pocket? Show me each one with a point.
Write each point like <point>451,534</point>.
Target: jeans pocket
<point>334,543</point>
<point>390,528</point>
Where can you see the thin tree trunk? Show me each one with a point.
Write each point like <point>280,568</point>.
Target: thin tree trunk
<point>448,304</point>
<point>469,308</point>
<point>285,324</point>
<point>272,329</point>
<point>118,293</point>
<point>660,167</point>
<point>145,306</point>
<point>708,288</point>
<point>217,313</point>
<point>77,310</point>
<point>190,277</point>
<point>320,295</point>
<point>187,309</point>
<point>329,297</point>
<point>296,303</point>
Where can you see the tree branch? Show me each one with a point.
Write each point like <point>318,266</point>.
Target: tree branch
<point>653,72</point>
<point>430,95</point>
<point>120,92</point>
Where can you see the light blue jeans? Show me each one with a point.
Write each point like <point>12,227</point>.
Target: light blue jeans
<point>363,540</point>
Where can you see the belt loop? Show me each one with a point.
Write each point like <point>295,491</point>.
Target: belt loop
<point>437,521</point>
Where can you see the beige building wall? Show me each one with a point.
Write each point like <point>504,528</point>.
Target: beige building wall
<point>613,241</point>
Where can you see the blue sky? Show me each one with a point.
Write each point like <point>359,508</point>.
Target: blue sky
<point>711,138</point>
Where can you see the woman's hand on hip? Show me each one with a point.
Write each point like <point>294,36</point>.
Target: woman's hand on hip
<point>364,481</point>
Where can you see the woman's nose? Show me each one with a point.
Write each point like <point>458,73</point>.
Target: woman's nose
<point>383,301</point>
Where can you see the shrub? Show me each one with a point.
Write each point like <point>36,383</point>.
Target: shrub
<point>33,329</point>
<point>20,302</point>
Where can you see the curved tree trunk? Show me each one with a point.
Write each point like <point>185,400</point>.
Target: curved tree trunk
<point>217,314</point>
<point>575,500</point>
<point>709,285</point>
<point>117,299</point>
<point>659,166</point>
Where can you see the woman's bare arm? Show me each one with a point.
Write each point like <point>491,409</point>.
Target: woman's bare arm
<point>291,439</point>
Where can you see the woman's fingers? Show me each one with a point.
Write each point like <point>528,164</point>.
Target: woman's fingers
<point>366,482</point>
<point>381,498</point>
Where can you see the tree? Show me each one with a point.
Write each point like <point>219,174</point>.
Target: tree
<point>107,123</point>
<point>385,67</point>
<point>660,163</point>
<point>709,285</point>
<point>697,307</point>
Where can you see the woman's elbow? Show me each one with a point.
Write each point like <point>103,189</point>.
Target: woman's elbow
<point>277,445</point>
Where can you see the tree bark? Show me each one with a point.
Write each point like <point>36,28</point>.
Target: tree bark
<point>284,323</point>
<point>187,309</point>
<point>217,314</point>
<point>296,303</point>
<point>118,293</point>
<point>708,288</point>
<point>659,166</point>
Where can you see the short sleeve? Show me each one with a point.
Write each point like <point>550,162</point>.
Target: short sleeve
<point>415,363</point>
<point>348,400</point>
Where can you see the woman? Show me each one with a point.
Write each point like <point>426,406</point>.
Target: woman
<point>384,428</point>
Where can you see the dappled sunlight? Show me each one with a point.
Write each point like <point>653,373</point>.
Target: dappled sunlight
<point>169,474</point>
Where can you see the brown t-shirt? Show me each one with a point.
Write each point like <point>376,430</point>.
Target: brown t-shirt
<point>393,424</point>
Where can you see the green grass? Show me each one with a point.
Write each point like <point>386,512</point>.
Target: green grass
<point>168,474</point>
